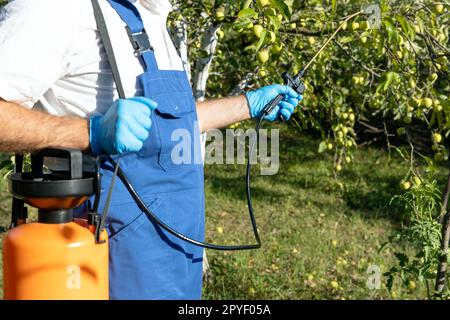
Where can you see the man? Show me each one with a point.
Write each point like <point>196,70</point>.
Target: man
<point>57,89</point>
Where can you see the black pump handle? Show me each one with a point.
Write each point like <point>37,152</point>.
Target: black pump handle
<point>294,83</point>
<point>74,156</point>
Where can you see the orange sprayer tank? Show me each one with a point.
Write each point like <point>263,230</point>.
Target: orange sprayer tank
<point>58,257</point>
<point>55,261</point>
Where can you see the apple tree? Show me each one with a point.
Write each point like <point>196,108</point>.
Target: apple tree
<point>386,74</point>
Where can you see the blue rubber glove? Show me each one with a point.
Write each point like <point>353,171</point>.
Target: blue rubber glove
<point>123,128</point>
<point>260,98</point>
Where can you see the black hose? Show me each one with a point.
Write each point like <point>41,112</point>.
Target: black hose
<point>183,237</point>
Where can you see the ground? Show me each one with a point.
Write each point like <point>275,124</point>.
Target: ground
<point>320,234</point>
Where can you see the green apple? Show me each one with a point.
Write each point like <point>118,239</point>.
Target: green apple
<point>257,30</point>
<point>433,77</point>
<point>220,14</point>
<point>437,137</point>
<point>405,185</point>
<point>263,3</point>
<point>220,34</point>
<point>401,131</point>
<point>439,8</point>
<point>438,157</point>
<point>262,72</point>
<point>427,102</point>
<point>364,25</point>
<point>351,117</point>
<point>263,56</point>
<point>442,60</point>
<point>277,48</point>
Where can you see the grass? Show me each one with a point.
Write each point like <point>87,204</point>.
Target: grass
<point>320,234</point>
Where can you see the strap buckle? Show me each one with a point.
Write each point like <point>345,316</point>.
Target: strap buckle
<point>139,41</point>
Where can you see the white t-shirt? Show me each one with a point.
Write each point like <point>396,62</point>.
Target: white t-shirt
<point>51,56</point>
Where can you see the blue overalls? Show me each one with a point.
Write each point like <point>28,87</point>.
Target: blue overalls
<point>145,261</point>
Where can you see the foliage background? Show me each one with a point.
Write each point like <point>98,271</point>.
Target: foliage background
<point>387,86</point>
<point>373,125</point>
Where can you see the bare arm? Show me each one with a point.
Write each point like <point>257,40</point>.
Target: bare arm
<point>24,130</point>
<point>222,112</point>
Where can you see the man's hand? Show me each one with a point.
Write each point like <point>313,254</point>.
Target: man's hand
<point>123,128</point>
<point>220,113</point>
<point>260,98</point>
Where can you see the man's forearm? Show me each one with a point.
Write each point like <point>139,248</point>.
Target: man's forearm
<point>23,130</point>
<point>220,113</point>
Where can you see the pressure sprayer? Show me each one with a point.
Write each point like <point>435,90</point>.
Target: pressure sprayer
<point>50,258</point>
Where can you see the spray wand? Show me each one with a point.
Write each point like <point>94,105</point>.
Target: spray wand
<point>296,83</point>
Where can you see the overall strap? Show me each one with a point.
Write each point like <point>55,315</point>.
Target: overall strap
<point>104,34</point>
<point>136,32</point>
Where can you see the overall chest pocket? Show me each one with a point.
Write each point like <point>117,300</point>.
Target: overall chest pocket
<point>175,119</point>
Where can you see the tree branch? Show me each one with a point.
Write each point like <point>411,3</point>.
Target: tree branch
<point>356,60</point>
<point>445,233</point>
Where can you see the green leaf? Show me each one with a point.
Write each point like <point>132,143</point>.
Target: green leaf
<point>241,23</point>
<point>402,258</point>
<point>446,104</point>
<point>390,77</point>
<point>333,6</point>
<point>261,40</point>
<point>391,31</point>
<point>433,120</point>
<point>283,7</point>
<point>389,282</point>
<point>247,14</point>
<point>275,22</point>
<point>322,147</point>
<point>246,3</point>
<point>405,25</point>
<point>346,39</point>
